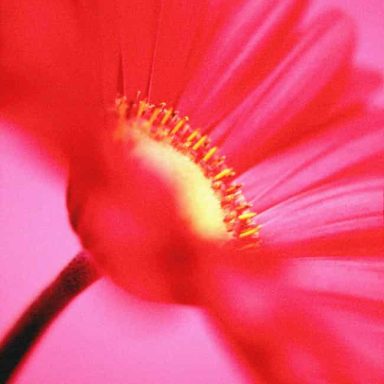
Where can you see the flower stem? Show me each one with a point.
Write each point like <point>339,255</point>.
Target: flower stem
<point>76,276</point>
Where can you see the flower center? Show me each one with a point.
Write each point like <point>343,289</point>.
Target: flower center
<point>209,198</point>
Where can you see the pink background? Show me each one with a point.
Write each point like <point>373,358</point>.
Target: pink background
<point>107,336</point>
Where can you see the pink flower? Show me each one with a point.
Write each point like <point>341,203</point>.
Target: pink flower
<point>286,106</point>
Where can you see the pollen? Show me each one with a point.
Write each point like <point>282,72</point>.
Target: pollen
<point>211,199</point>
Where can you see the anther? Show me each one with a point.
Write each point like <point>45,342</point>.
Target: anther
<point>179,124</point>
<point>233,188</point>
<point>167,115</point>
<point>248,232</point>
<point>247,215</point>
<point>142,105</point>
<point>192,136</point>
<point>209,154</point>
<point>154,115</point>
<point>226,172</point>
<point>199,143</point>
<point>243,206</point>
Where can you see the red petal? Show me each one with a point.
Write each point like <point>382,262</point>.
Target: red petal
<point>343,219</point>
<point>138,23</point>
<point>57,71</point>
<point>304,323</point>
<point>248,41</point>
<point>348,149</point>
<point>301,84</point>
<point>175,48</point>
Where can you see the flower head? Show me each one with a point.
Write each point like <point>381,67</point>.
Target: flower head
<point>169,218</point>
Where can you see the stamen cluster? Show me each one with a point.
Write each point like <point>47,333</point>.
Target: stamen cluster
<point>164,124</point>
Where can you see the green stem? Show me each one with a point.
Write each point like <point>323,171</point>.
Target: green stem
<point>76,276</point>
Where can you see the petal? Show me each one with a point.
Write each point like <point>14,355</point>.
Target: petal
<point>349,295</point>
<point>138,24</point>
<point>304,85</point>
<point>357,277</point>
<point>248,42</point>
<point>57,71</point>
<point>371,29</point>
<point>343,218</point>
<point>362,86</point>
<point>344,149</point>
<point>175,48</point>
<point>304,323</point>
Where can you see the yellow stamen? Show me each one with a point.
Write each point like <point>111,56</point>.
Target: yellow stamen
<point>154,115</point>
<point>248,232</point>
<point>210,153</point>
<point>142,105</point>
<point>199,143</point>
<point>229,198</point>
<point>247,215</point>
<point>179,124</point>
<point>166,138</point>
<point>233,188</point>
<point>193,135</point>
<point>224,173</point>
<point>166,116</point>
<point>243,206</point>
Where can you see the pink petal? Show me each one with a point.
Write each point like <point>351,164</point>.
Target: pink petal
<point>357,277</point>
<point>344,149</point>
<point>301,84</point>
<point>248,42</point>
<point>368,19</point>
<point>304,323</point>
<point>349,296</point>
<point>342,218</point>
<point>362,86</point>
